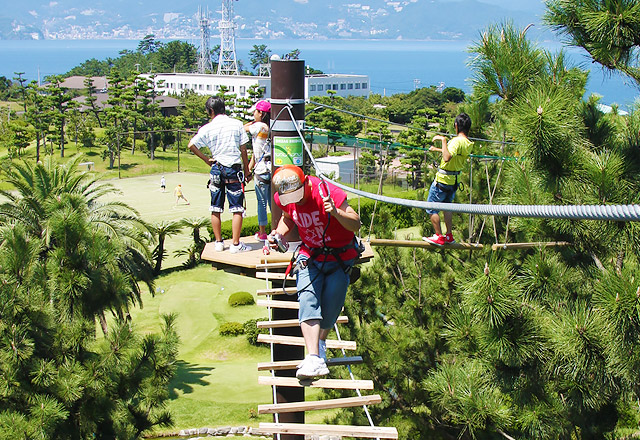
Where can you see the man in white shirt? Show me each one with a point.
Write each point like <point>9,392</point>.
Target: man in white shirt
<point>227,141</point>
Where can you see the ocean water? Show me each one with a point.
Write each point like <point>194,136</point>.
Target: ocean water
<point>393,66</point>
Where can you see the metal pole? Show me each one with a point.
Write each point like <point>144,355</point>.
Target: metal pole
<point>179,139</point>
<point>287,89</point>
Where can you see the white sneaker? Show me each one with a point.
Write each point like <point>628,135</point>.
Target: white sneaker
<point>312,366</point>
<point>240,247</point>
<point>219,246</point>
<point>322,350</point>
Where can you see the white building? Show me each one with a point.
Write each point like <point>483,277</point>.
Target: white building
<point>342,167</point>
<point>209,84</point>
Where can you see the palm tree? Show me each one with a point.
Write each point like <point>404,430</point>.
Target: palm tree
<point>45,191</point>
<point>161,231</point>
<point>194,251</point>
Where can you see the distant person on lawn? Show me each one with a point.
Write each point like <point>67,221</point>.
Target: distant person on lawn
<point>260,163</point>
<point>444,186</point>
<point>227,141</point>
<point>179,194</point>
<point>163,184</point>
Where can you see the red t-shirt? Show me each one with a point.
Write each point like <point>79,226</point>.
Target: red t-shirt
<point>311,220</point>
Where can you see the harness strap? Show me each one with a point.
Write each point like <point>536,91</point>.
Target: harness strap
<point>448,173</point>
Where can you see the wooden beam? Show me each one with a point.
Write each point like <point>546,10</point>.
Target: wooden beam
<point>274,276</point>
<point>299,341</point>
<point>424,244</point>
<point>509,246</point>
<point>346,402</point>
<point>278,304</point>
<point>337,430</point>
<point>280,265</point>
<point>292,365</point>
<point>335,384</point>
<point>288,290</point>
<point>292,322</point>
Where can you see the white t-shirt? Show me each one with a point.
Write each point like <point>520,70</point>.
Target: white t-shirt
<point>223,135</point>
<point>261,147</point>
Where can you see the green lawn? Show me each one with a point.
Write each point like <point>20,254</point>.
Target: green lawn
<point>217,380</point>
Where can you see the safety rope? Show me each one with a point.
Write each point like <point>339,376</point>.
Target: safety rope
<point>570,212</point>
<point>410,127</point>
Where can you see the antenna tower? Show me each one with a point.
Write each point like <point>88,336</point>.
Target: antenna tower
<point>227,64</point>
<point>204,56</point>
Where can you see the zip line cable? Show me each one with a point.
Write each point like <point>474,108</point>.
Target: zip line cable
<point>570,212</point>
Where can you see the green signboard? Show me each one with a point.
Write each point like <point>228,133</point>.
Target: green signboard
<point>287,151</point>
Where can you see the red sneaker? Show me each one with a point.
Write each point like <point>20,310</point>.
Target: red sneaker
<point>448,238</point>
<point>436,239</point>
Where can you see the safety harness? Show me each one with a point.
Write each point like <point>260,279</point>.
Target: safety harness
<point>352,271</point>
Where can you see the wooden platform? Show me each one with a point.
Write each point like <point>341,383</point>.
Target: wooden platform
<point>254,258</point>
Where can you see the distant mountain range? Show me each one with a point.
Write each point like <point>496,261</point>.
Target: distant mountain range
<point>316,19</point>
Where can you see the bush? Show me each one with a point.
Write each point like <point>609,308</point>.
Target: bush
<point>231,329</point>
<point>241,299</point>
<point>252,331</point>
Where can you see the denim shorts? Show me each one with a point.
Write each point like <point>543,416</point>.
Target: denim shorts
<point>263,194</point>
<point>224,180</point>
<point>322,289</point>
<point>437,194</point>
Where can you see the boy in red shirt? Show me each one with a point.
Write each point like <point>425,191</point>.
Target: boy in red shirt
<point>327,225</point>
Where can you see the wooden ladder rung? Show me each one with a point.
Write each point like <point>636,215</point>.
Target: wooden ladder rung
<point>339,430</point>
<point>299,341</point>
<point>281,323</point>
<point>505,246</point>
<point>290,290</point>
<point>294,305</point>
<point>346,402</point>
<point>292,365</point>
<point>274,276</point>
<point>274,265</point>
<point>336,384</point>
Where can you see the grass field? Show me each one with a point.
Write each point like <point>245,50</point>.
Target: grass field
<point>216,382</point>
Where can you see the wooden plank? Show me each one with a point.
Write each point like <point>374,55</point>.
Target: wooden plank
<point>292,365</point>
<point>282,323</point>
<point>288,290</point>
<point>338,430</point>
<point>274,276</point>
<point>336,384</point>
<point>299,341</point>
<point>508,246</point>
<point>424,244</point>
<point>279,265</point>
<point>346,402</point>
<point>294,305</point>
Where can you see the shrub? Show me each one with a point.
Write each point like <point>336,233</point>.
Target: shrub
<point>231,329</point>
<point>249,227</point>
<point>241,299</point>
<point>252,331</point>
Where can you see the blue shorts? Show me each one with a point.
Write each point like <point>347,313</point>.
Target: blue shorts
<point>225,180</point>
<point>322,288</point>
<point>441,193</point>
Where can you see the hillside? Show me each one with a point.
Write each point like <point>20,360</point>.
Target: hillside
<point>413,19</point>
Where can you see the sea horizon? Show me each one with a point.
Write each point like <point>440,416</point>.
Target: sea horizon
<point>423,62</point>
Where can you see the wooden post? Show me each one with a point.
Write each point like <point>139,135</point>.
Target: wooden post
<point>287,90</point>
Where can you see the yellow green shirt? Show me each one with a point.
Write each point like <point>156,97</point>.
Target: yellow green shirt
<point>460,148</point>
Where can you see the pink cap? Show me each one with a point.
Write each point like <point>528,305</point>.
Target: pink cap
<point>263,106</point>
